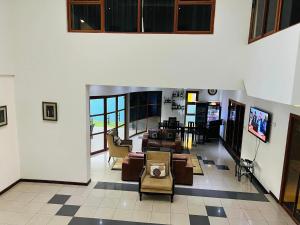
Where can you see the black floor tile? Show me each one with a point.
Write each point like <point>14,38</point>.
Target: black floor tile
<point>59,199</point>
<point>92,221</point>
<point>215,211</point>
<point>199,220</point>
<point>68,210</point>
<point>222,167</point>
<point>190,192</point>
<point>209,162</point>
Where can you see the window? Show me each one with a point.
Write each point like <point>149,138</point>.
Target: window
<point>121,15</point>
<point>289,13</point>
<point>148,16</point>
<point>190,112</point>
<point>84,16</point>
<point>158,16</point>
<point>194,18</point>
<point>106,113</point>
<point>145,111</point>
<point>270,16</point>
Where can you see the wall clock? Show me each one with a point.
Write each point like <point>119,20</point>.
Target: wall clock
<point>212,91</point>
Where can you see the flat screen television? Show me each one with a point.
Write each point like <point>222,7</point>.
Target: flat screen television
<point>259,123</point>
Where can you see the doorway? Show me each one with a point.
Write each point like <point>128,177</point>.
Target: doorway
<point>106,113</point>
<point>289,197</point>
<point>234,129</point>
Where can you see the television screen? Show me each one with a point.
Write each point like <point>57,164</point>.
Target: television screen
<point>259,123</point>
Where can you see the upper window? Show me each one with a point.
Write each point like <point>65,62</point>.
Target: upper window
<point>153,16</point>
<point>270,16</point>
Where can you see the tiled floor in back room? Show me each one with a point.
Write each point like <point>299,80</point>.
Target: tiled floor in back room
<point>216,198</point>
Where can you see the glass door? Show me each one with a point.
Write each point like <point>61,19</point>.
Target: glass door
<point>290,186</point>
<point>97,125</point>
<point>106,113</point>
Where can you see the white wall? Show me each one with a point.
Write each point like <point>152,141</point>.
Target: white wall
<point>9,155</point>
<point>270,66</point>
<point>6,38</point>
<point>270,157</point>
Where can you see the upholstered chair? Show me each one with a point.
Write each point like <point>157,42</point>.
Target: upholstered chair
<point>157,185</point>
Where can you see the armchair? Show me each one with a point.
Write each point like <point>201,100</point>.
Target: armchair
<point>149,184</point>
<point>117,150</point>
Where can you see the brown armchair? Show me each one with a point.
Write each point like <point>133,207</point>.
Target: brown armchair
<point>148,184</point>
<point>132,166</point>
<point>117,150</point>
<point>182,169</point>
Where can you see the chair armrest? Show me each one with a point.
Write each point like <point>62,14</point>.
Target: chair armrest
<point>145,140</point>
<point>142,176</point>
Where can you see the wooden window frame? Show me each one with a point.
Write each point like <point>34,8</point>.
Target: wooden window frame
<point>277,22</point>
<point>86,2</point>
<point>177,3</point>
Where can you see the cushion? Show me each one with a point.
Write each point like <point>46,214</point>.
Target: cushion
<point>158,170</point>
<point>153,134</point>
<point>164,184</point>
<point>150,162</point>
<point>117,140</point>
<point>170,136</point>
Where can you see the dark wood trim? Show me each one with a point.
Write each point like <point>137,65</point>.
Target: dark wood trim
<point>139,30</point>
<point>44,181</point>
<point>292,119</point>
<point>56,182</point>
<point>277,22</point>
<point>9,187</point>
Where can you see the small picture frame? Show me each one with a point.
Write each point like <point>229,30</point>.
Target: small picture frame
<point>50,111</point>
<point>3,116</point>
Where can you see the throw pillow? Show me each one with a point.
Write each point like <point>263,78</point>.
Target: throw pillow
<point>117,140</point>
<point>170,136</point>
<point>158,170</point>
<point>153,134</point>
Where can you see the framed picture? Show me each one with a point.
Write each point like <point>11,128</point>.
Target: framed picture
<point>3,116</point>
<point>50,111</point>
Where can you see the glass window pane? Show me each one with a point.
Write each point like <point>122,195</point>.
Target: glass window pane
<point>111,121</point>
<point>121,132</point>
<point>141,125</point>
<point>192,97</point>
<point>111,104</point>
<point>85,17</point>
<point>97,124</point>
<point>132,128</point>
<point>191,109</point>
<point>189,119</point>
<point>97,142</point>
<point>158,15</point>
<point>290,13</point>
<point>121,15</point>
<point>194,17</point>
<point>258,10</point>
<point>271,20</point>
<point>121,102</point>
<point>154,110</point>
<point>96,106</point>
<point>121,118</point>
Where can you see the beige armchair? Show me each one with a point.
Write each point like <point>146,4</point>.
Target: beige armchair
<point>116,150</point>
<point>148,184</point>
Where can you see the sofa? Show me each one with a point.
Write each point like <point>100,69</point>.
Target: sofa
<point>132,166</point>
<point>156,138</point>
<point>182,169</point>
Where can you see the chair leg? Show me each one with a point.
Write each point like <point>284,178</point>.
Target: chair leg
<point>172,196</point>
<point>109,158</point>
<point>140,196</point>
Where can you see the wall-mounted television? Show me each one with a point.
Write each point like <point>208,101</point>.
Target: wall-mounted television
<point>259,123</point>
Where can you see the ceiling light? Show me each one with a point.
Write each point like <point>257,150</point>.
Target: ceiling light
<point>82,21</point>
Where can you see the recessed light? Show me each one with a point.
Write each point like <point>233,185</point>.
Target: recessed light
<point>82,21</point>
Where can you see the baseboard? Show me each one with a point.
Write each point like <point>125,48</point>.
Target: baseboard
<point>56,182</point>
<point>44,181</point>
<point>274,197</point>
<point>9,187</point>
